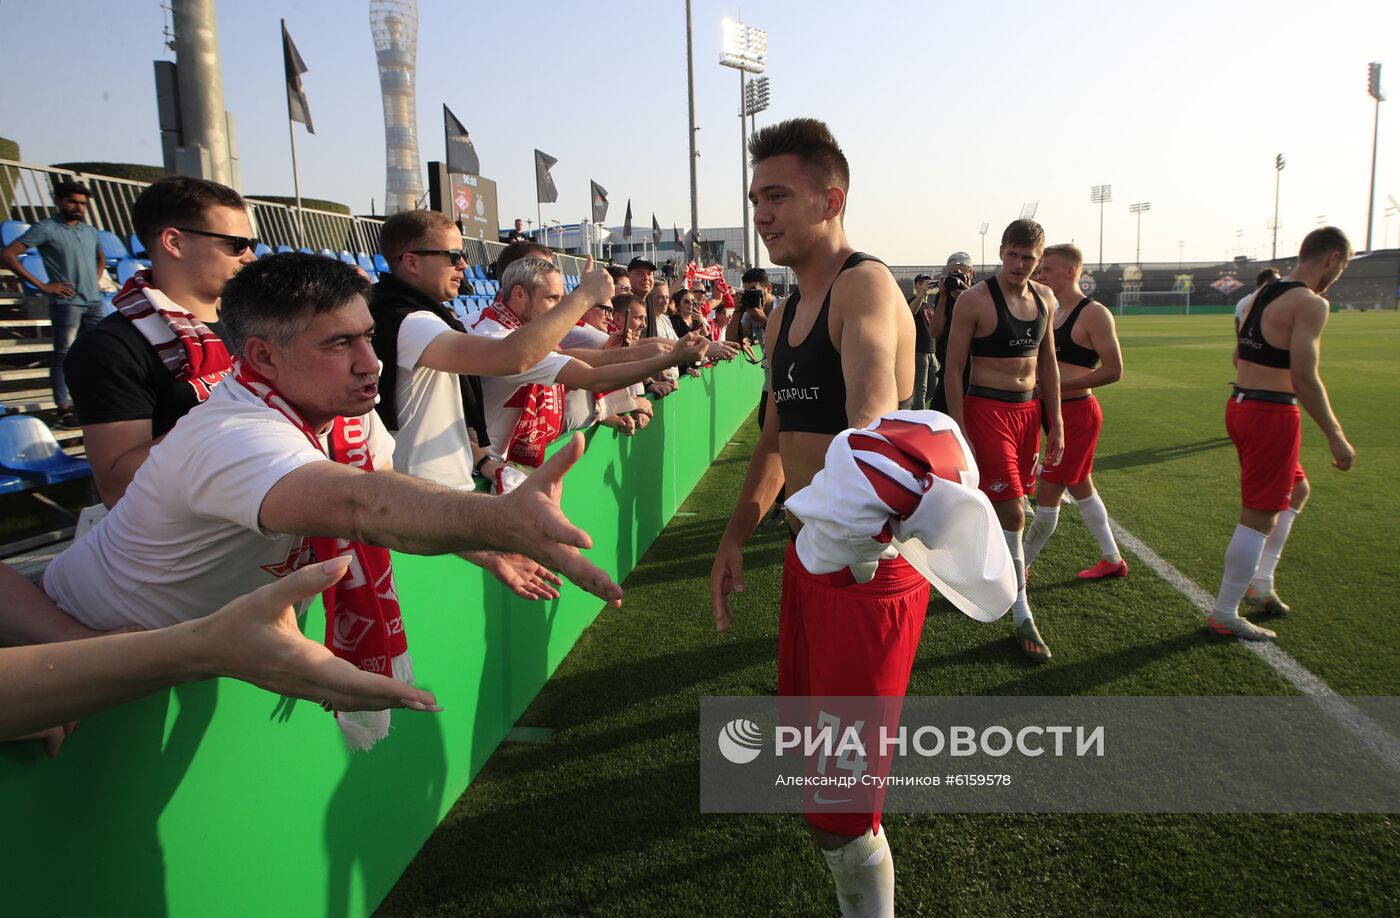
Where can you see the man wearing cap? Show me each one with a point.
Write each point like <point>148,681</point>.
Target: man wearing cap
<point>956,278</point>
<point>923,341</point>
<point>642,274</point>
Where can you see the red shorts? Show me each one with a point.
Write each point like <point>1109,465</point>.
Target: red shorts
<point>1267,436</point>
<point>1006,438</point>
<point>1083,420</point>
<point>837,637</point>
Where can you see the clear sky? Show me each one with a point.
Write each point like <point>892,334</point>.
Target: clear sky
<point>951,114</point>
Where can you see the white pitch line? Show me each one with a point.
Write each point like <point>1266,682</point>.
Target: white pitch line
<point>1371,734</point>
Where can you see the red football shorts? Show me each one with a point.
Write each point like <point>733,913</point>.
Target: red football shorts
<point>837,637</point>
<point>1267,436</point>
<point>1006,438</point>
<point>1083,420</point>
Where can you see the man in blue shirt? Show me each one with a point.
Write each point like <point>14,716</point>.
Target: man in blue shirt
<point>73,258</point>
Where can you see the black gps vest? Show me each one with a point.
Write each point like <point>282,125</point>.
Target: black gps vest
<point>1066,351</point>
<point>1252,346</point>
<point>809,390</point>
<point>1012,337</point>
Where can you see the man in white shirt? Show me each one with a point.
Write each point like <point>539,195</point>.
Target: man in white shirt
<point>524,411</point>
<point>288,449</point>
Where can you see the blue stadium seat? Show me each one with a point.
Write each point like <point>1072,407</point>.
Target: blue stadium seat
<point>364,261</point>
<point>11,230</point>
<point>9,484</point>
<point>305,250</point>
<point>261,249</point>
<point>28,448</point>
<point>127,267</point>
<point>113,249</point>
<point>32,263</point>
<point>134,246</point>
<point>346,257</point>
<point>478,272</point>
<point>381,264</point>
<point>326,253</point>
<point>284,248</point>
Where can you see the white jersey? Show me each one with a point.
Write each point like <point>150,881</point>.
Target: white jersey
<point>497,391</point>
<point>431,441</point>
<point>185,538</point>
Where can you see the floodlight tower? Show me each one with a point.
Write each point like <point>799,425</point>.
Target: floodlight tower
<point>746,50</point>
<point>394,24</point>
<point>1139,208</point>
<point>756,99</point>
<point>1279,162</point>
<point>983,231</point>
<point>1100,195</point>
<point>1373,89</point>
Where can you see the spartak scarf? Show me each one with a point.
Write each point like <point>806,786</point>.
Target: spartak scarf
<point>541,407</point>
<point>188,349</point>
<point>363,621</point>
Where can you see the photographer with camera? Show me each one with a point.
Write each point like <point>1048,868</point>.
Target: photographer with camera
<point>957,277</point>
<point>923,341</point>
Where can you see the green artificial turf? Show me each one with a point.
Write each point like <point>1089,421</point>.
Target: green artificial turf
<point>601,816</point>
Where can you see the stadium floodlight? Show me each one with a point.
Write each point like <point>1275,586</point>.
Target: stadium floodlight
<point>1101,195</point>
<point>745,49</point>
<point>1028,210</point>
<point>983,231</point>
<point>755,100</point>
<point>1279,162</point>
<point>1373,88</point>
<point>1139,208</point>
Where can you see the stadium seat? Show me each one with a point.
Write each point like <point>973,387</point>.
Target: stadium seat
<point>346,257</point>
<point>478,272</point>
<point>284,248</point>
<point>306,250</point>
<point>261,249</point>
<point>364,261</point>
<point>9,484</point>
<point>127,267</point>
<point>113,249</point>
<point>326,253</point>
<point>32,263</point>
<point>11,230</point>
<point>134,246</point>
<point>28,448</point>
<point>381,264</point>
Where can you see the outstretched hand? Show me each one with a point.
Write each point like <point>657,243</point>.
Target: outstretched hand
<point>255,638</point>
<point>534,524</point>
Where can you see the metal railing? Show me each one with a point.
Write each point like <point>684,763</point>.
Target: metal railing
<point>26,194</point>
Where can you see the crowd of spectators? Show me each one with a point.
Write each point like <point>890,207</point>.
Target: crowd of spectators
<point>250,418</point>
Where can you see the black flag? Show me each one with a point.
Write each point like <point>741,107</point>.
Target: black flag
<point>655,231</point>
<point>297,109</point>
<point>545,192</point>
<point>599,196</point>
<point>680,242</point>
<point>627,221</point>
<point>461,155</point>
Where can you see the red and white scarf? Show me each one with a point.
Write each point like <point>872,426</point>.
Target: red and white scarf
<point>541,407</point>
<point>185,345</point>
<point>363,622</point>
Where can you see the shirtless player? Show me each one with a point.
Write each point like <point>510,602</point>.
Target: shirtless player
<point>1280,334</point>
<point>1086,348</point>
<point>1003,324</point>
<point>852,361</point>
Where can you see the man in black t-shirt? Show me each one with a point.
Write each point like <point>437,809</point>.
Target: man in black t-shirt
<point>923,341</point>
<point>141,369</point>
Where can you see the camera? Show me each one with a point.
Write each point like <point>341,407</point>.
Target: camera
<point>752,299</point>
<point>954,283</point>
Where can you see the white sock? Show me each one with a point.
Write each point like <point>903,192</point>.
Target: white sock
<point>1241,558</point>
<point>1020,609</point>
<point>1095,517</point>
<point>1040,530</point>
<point>1263,581</point>
<point>864,873</point>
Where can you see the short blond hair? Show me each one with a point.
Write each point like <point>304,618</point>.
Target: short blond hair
<point>1069,252</point>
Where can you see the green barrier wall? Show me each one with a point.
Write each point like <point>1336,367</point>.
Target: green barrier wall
<point>219,799</point>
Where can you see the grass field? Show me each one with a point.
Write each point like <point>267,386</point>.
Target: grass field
<point>602,816</point>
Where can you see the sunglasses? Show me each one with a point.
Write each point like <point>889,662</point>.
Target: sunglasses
<point>240,244</point>
<point>456,256</point>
